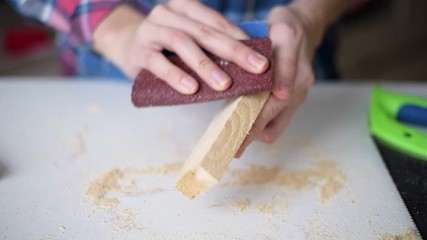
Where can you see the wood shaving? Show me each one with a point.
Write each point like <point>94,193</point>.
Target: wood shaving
<point>409,234</point>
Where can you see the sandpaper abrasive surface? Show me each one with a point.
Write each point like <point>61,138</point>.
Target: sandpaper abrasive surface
<point>149,90</point>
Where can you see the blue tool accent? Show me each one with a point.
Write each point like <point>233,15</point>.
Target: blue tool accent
<point>258,29</point>
<point>413,114</point>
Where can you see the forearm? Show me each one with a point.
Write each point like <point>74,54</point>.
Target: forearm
<point>318,15</point>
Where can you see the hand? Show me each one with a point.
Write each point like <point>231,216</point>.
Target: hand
<point>183,27</point>
<point>293,48</point>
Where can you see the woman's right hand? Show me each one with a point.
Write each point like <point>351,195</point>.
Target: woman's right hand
<point>134,42</point>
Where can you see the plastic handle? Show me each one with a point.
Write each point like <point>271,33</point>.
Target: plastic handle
<point>413,114</point>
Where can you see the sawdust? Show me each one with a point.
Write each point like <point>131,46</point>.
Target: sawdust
<point>317,228</point>
<point>254,175</point>
<point>105,190</point>
<point>326,174</point>
<point>242,204</point>
<point>409,234</point>
<point>125,181</point>
<point>266,207</point>
<point>333,181</point>
<point>99,188</point>
<point>123,220</point>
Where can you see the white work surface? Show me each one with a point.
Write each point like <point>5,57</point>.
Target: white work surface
<point>59,137</point>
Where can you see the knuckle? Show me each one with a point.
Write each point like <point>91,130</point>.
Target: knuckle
<point>148,59</point>
<point>287,30</point>
<point>223,24</point>
<point>271,138</point>
<point>269,135</point>
<point>287,68</point>
<point>204,63</point>
<point>159,10</point>
<point>177,37</point>
<point>179,4</point>
<point>207,32</point>
<point>171,75</point>
<point>274,111</point>
<point>236,50</point>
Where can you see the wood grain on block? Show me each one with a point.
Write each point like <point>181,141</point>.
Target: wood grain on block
<point>148,90</point>
<point>220,142</point>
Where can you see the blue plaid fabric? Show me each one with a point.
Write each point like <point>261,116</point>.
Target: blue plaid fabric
<point>75,20</point>
<point>91,64</point>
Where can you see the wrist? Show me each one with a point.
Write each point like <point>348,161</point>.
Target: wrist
<point>113,35</point>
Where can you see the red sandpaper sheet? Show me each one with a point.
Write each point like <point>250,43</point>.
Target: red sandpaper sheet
<point>148,90</point>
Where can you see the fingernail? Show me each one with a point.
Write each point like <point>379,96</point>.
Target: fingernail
<point>257,61</point>
<point>190,85</point>
<point>220,79</point>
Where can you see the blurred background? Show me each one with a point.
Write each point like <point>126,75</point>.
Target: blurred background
<point>378,40</point>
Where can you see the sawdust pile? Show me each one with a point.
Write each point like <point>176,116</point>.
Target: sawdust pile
<point>125,181</point>
<point>105,190</point>
<point>325,176</point>
<point>102,192</point>
<point>409,234</point>
<point>108,182</point>
<point>325,173</point>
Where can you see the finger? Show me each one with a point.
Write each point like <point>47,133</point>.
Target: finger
<point>159,65</point>
<point>278,123</point>
<point>276,127</point>
<point>248,140</point>
<point>185,47</point>
<point>206,15</point>
<point>286,42</point>
<point>271,110</point>
<point>305,74</point>
<point>195,58</point>
<point>212,40</point>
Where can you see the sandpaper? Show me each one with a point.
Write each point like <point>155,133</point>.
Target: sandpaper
<point>149,90</point>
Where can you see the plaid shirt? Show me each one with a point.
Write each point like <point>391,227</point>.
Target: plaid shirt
<point>75,21</point>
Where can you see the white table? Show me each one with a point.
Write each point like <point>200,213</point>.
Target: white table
<point>324,179</point>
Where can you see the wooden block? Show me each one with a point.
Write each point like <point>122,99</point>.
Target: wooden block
<point>219,144</point>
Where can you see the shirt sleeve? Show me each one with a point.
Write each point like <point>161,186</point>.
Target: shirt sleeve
<point>77,18</point>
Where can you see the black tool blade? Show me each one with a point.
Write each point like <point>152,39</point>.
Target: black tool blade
<point>410,177</point>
